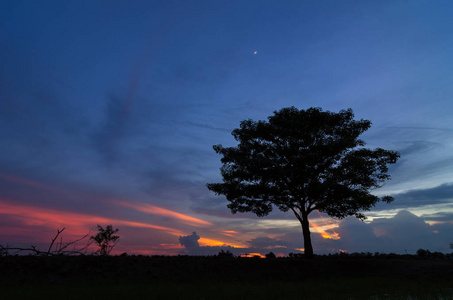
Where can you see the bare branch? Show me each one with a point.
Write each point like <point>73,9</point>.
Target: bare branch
<point>53,240</point>
<point>60,249</point>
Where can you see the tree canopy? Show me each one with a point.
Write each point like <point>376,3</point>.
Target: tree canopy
<point>301,161</point>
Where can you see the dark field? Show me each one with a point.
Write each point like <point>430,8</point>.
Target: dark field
<point>183,277</point>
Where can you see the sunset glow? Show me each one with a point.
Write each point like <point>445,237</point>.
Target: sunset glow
<point>253,254</point>
<point>230,233</point>
<point>40,216</point>
<point>150,209</point>
<point>325,234</point>
<point>213,243</point>
<point>36,216</point>
<point>146,225</point>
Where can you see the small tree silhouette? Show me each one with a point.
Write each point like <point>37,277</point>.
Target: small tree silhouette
<point>223,254</point>
<point>106,239</point>
<point>271,255</point>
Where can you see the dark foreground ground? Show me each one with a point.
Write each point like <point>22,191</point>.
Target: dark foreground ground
<point>67,269</point>
<point>182,277</point>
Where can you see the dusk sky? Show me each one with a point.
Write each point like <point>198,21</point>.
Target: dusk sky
<point>109,110</point>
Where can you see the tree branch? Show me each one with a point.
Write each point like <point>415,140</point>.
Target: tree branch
<point>5,250</point>
<point>53,240</point>
<point>296,214</point>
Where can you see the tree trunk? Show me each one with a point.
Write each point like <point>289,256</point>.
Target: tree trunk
<point>308,248</point>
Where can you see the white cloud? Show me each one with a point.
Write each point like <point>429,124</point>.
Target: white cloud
<point>404,232</point>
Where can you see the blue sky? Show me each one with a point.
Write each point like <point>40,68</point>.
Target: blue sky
<point>109,110</point>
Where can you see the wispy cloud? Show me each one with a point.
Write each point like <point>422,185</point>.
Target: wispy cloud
<point>51,218</point>
<point>404,232</point>
<point>418,128</point>
<point>419,197</point>
<point>28,182</point>
<point>208,126</point>
<point>154,210</point>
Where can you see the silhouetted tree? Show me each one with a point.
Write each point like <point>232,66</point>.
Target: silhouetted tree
<point>303,160</point>
<point>423,253</point>
<point>223,254</point>
<point>106,239</point>
<point>270,255</point>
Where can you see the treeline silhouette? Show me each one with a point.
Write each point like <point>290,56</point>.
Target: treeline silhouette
<point>133,268</point>
<point>59,264</point>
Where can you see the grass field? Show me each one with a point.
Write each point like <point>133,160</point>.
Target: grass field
<point>335,288</point>
<point>94,277</point>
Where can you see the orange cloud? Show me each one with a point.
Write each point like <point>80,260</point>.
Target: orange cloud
<point>210,242</point>
<point>336,235</point>
<point>252,255</point>
<point>321,229</point>
<point>162,249</point>
<point>154,210</point>
<point>146,225</point>
<point>324,234</point>
<point>230,233</point>
<point>170,246</point>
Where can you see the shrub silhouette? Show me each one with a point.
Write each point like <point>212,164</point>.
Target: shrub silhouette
<point>106,239</point>
<point>223,254</point>
<point>271,255</point>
